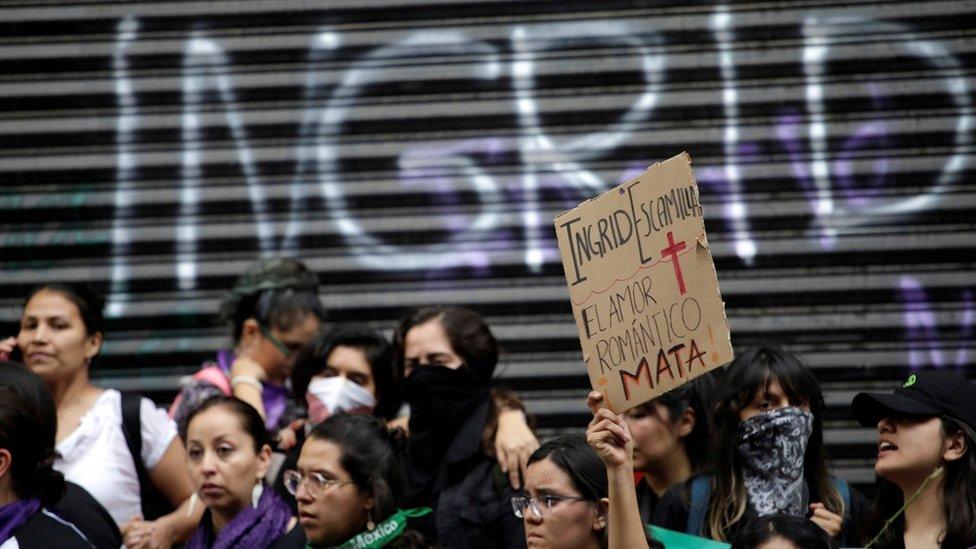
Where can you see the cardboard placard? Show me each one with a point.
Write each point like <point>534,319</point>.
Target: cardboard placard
<point>643,285</point>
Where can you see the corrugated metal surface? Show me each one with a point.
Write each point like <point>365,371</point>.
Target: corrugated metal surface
<point>415,152</point>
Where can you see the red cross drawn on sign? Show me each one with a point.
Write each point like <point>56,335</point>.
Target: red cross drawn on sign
<point>673,250</point>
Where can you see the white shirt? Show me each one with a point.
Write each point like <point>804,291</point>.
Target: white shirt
<point>96,456</point>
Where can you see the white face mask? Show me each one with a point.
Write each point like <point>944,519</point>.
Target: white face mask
<point>330,395</point>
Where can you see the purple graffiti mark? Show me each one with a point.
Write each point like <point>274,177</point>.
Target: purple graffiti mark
<point>714,180</point>
<point>557,188</point>
<point>473,264</point>
<point>443,173</point>
<point>788,132</point>
<point>855,195</point>
<point>435,169</point>
<point>633,169</point>
<point>924,342</point>
<point>561,187</point>
<point>789,129</point>
<point>872,136</point>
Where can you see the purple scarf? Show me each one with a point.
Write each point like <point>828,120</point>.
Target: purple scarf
<point>15,514</point>
<point>274,397</point>
<point>250,528</point>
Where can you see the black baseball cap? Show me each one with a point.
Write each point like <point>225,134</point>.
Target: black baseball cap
<point>924,394</point>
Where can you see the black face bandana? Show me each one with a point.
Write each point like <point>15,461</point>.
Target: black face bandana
<point>441,400</point>
<point>773,446</point>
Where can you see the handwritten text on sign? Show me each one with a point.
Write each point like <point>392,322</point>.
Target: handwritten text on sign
<point>643,285</point>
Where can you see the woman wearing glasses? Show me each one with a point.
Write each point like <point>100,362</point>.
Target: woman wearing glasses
<point>348,483</point>
<point>566,496</point>
<point>228,453</point>
<point>567,502</point>
<point>274,310</point>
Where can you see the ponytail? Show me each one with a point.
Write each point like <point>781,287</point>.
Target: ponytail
<point>23,434</point>
<point>51,481</point>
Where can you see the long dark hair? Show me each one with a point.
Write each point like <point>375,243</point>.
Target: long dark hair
<point>311,361</point>
<point>469,335</point>
<point>958,498</point>
<point>30,441</point>
<point>370,454</point>
<point>23,381</point>
<point>20,379</point>
<point>585,469</point>
<point>276,292</point>
<point>801,531</point>
<point>751,372</point>
<point>576,458</point>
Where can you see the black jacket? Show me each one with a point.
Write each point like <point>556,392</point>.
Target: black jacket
<point>472,508</point>
<point>81,509</point>
<point>43,530</point>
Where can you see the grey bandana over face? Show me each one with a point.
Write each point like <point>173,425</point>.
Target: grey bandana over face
<point>773,445</point>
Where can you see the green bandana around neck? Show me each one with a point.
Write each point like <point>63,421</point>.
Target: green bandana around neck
<point>385,532</point>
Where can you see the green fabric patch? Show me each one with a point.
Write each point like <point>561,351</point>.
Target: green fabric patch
<point>680,540</point>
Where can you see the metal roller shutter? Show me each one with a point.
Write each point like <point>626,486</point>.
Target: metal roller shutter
<point>415,152</point>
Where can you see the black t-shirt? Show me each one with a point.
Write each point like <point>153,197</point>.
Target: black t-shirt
<point>81,509</point>
<point>647,501</point>
<point>673,509</point>
<point>44,530</point>
<point>294,539</point>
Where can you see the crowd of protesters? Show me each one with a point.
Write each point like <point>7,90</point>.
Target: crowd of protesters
<point>309,434</point>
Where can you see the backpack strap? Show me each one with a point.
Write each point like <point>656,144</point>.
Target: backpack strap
<point>132,429</point>
<point>701,492</point>
<point>845,494</point>
<point>154,504</point>
<point>844,490</point>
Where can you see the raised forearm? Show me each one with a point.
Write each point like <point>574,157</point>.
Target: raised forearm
<point>625,529</point>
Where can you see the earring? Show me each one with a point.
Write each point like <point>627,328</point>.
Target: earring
<point>193,504</point>
<point>370,525</point>
<point>256,494</point>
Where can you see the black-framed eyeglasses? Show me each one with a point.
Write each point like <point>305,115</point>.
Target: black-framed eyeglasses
<point>282,347</point>
<point>519,503</point>
<point>315,483</point>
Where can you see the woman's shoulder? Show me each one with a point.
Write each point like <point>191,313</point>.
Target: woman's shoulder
<point>45,530</point>
<point>674,506</point>
<point>410,539</point>
<point>108,404</point>
<point>699,485</point>
<point>84,511</point>
<point>96,422</point>
<point>293,539</point>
